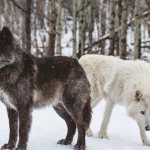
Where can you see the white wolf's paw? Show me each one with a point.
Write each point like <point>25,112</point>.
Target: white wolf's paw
<point>89,132</point>
<point>146,142</point>
<point>103,135</point>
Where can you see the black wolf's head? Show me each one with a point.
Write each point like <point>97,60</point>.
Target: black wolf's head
<point>9,53</point>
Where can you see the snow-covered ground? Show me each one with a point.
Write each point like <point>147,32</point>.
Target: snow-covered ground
<point>48,128</point>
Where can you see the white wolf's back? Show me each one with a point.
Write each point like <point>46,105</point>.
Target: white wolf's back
<point>113,76</point>
<point>100,70</point>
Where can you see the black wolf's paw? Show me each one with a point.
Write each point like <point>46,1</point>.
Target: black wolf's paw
<point>64,142</point>
<point>20,148</point>
<point>8,147</point>
<point>79,147</point>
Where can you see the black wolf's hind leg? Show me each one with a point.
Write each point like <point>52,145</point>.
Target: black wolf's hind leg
<point>76,108</point>
<point>13,125</point>
<point>77,117</point>
<point>70,124</point>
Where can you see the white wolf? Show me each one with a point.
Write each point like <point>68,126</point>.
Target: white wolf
<point>120,82</point>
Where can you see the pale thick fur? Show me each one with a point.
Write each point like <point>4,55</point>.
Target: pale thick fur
<point>119,82</point>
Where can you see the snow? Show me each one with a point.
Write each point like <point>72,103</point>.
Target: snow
<point>48,128</point>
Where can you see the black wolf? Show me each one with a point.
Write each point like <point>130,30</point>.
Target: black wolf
<point>27,82</point>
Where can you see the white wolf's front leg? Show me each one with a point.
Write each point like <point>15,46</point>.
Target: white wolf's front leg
<point>107,114</point>
<point>144,138</point>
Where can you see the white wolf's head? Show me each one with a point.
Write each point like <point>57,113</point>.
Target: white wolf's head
<point>139,110</point>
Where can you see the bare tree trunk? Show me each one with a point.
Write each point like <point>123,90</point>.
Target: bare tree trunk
<point>52,34</point>
<point>91,22</point>
<point>81,29</point>
<point>6,14</point>
<point>58,29</point>
<point>40,8</point>
<point>28,25</point>
<point>103,23</point>
<point>119,14</point>
<point>74,28</point>
<point>22,22</point>
<point>35,9</point>
<point>1,12</point>
<point>148,3</point>
<point>149,30</point>
<point>113,4</point>
<point>137,30</point>
<point>123,34</point>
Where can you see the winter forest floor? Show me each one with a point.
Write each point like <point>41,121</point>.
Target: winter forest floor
<point>48,128</point>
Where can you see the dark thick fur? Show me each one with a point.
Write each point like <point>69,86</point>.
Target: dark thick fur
<point>27,82</point>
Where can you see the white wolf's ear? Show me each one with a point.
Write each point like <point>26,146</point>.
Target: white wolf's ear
<point>138,96</point>
<point>6,36</point>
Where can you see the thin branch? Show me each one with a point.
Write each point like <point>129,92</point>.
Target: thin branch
<point>107,36</point>
<point>25,11</point>
<point>82,8</point>
<point>19,7</point>
<point>142,42</point>
<point>37,14</point>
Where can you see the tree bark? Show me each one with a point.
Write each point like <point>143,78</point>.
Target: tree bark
<point>1,12</point>
<point>58,29</point>
<point>74,30</point>
<point>81,28</point>
<point>137,30</point>
<point>91,22</point>
<point>102,23</point>
<point>148,3</point>
<point>28,25</point>
<point>123,34</point>
<point>52,24</point>
<point>113,4</point>
<point>41,9</point>
<point>119,14</point>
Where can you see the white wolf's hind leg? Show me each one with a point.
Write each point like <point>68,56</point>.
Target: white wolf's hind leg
<point>107,114</point>
<point>93,104</point>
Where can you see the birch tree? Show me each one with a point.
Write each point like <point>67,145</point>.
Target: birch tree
<point>123,33</point>
<point>102,18</point>
<point>91,22</point>
<point>28,25</point>
<point>74,30</point>
<point>137,29</point>
<point>148,3</point>
<point>113,4</point>
<point>59,28</point>
<point>7,14</point>
<point>23,24</point>
<point>119,14</point>
<point>81,28</point>
<point>1,12</point>
<point>41,9</point>
<point>52,35</point>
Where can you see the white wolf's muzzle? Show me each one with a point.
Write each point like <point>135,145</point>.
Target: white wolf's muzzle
<point>147,128</point>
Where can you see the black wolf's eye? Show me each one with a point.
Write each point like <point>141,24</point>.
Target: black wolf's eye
<point>142,112</point>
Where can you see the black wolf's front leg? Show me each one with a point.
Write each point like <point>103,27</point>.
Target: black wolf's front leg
<point>25,118</point>
<point>13,125</point>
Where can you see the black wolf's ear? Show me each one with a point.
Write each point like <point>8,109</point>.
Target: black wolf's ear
<point>138,96</point>
<point>6,36</point>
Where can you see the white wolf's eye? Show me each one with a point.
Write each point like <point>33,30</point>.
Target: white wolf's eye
<point>142,112</point>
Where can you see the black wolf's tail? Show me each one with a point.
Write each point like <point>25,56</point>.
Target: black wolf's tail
<point>87,114</point>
